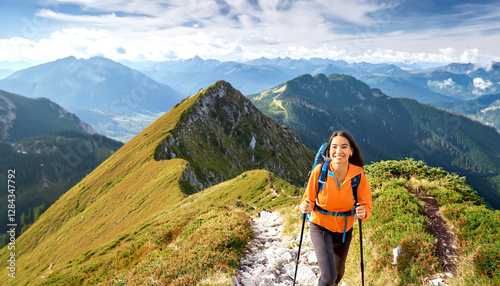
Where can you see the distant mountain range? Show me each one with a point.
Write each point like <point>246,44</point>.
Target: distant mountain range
<point>50,150</point>
<point>453,83</point>
<point>119,101</point>
<point>189,76</point>
<point>387,128</point>
<point>114,99</point>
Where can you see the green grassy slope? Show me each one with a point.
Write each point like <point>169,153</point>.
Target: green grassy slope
<point>114,199</point>
<point>399,220</point>
<point>193,239</point>
<point>46,167</point>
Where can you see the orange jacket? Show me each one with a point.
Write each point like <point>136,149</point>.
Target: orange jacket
<point>335,200</point>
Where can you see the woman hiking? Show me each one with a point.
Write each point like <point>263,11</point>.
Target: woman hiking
<point>331,206</point>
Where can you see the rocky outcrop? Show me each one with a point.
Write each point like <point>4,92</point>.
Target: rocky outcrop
<point>223,134</point>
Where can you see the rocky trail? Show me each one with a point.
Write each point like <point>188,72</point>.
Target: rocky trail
<point>270,258</point>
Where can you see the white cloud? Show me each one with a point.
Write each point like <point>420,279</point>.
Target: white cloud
<point>480,60</point>
<point>480,83</point>
<point>186,42</point>
<point>355,11</point>
<point>445,84</point>
<point>301,23</point>
<point>84,43</point>
<point>241,29</point>
<point>15,49</point>
<point>482,86</point>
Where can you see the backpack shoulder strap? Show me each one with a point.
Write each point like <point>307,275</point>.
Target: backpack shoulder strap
<point>354,183</point>
<point>322,176</point>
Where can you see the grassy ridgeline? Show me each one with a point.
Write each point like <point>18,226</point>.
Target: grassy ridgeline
<point>398,220</point>
<point>202,238</point>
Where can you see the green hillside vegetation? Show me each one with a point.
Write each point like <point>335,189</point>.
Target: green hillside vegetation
<point>193,239</point>
<point>50,151</point>
<point>46,167</point>
<point>399,221</point>
<point>485,109</point>
<point>127,190</point>
<point>387,128</point>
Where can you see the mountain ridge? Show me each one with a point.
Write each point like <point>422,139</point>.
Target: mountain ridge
<point>23,117</point>
<point>223,117</point>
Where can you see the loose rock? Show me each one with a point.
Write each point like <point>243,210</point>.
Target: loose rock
<point>269,262</point>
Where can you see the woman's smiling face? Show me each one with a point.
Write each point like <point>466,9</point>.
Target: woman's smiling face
<point>340,150</point>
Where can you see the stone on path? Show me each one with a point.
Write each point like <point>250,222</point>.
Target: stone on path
<point>269,262</point>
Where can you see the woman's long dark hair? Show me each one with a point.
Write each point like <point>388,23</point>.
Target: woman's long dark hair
<point>356,158</point>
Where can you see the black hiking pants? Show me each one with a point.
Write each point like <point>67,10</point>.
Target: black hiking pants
<point>331,253</point>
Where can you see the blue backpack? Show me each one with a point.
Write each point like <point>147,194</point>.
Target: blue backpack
<point>321,158</point>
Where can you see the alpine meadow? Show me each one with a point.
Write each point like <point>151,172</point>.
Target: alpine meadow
<point>176,204</point>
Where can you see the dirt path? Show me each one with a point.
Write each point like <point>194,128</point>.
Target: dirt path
<point>446,242</point>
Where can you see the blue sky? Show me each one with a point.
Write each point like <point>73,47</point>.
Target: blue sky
<point>157,30</point>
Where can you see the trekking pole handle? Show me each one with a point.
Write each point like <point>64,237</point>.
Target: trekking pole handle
<point>356,206</point>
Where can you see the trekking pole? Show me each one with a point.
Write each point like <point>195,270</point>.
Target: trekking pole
<point>300,244</point>
<point>361,248</point>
